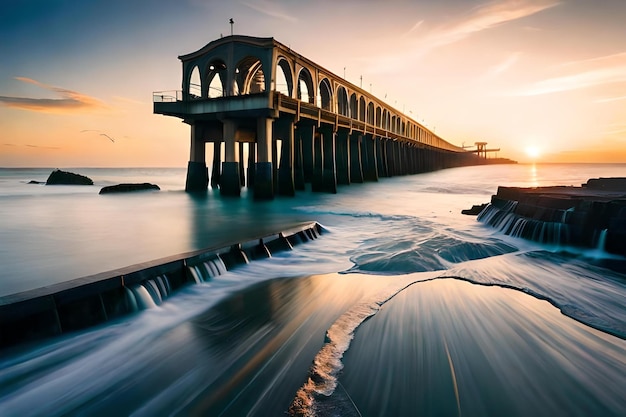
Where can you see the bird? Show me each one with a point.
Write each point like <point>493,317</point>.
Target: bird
<point>110,138</point>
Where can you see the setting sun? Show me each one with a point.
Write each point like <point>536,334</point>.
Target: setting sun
<point>533,151</point>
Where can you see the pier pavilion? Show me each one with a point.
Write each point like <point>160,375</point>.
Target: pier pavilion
<point>300,123</point>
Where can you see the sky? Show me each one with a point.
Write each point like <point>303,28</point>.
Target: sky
<point>543,80</point>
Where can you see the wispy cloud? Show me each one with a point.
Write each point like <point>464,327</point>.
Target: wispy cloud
<point>70,101</point>
<point>483,17</point>
<point>270,9</point>
<point>503,66</point>
<point>582,74</point>
<point>610,99</point>
<point>413,28</point>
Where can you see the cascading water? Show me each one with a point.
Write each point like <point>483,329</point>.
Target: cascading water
<point>508,222</point>
<point>207,270</point>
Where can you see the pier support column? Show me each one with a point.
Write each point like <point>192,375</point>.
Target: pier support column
<point>284,128</point>
<point>230,179</point>
<point>197,174</point>
<point>298,175</point>
<point>263,177</point>
<point>356,167</point>
<point>217,164</point>
<point>307,134</point>
<point>329,174</point>
<point>342,157</point>
<point>317,172</point>
<point>380,157</point>
<point>369,158</point>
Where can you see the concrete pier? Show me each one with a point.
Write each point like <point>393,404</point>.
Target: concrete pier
<point>327,131</point>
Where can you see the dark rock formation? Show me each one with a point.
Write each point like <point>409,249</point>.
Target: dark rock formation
<point>58,177</point>
<point>590,216</point>
<point>36,182</point>
<point>475,210</point>
<point>126,188</point>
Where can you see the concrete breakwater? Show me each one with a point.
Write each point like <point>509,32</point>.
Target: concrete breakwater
<point>591,216</point>
<point>80,303</point>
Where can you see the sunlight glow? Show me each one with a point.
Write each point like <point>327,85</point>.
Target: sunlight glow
<point>533,152</point>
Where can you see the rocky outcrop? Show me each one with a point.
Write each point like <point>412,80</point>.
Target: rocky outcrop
<point>593,215</point>
<point>475,210</point>
<point>58,177</point>
<point>126,188</point>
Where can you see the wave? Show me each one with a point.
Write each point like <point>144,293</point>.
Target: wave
<point>554,278</point>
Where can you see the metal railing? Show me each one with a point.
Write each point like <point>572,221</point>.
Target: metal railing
<point>167,96</point>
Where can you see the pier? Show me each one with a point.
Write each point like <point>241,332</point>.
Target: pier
<point>294,121</point>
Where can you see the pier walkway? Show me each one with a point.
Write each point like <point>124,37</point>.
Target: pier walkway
<point>296,121</point>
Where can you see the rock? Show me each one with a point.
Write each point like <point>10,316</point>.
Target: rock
<point>36,182</point>
<point>126,188</point>
<point>475,210</point>
<point>58,177</point>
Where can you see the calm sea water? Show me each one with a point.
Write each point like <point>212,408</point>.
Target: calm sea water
<point>405,306</point>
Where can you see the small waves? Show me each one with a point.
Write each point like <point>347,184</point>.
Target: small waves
<point>322,380</point>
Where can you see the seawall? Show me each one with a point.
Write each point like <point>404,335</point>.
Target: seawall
<point>83,302</point>
<point>590,216</point>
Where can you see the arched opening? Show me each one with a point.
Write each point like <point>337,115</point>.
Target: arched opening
<point>324,96</point>
<point>249,76</point>
<point>354,108</point>
<point>370,113</point>
<point>216,79</point>
<point>378,116</point>
<point>385,120</point>
<point>284,78</point>
<point>305,86</point>
<point>362,109</point>
<point>194,89</point>
<point>393,124</point>
<point>342,101</point>
<point>403,129</point>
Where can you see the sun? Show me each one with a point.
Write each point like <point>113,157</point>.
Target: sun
<point>533,152</point>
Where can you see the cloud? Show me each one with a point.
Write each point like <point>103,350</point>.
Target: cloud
<point>70,101</point>
<point>413,28</point>
<point>504,65</point>
<point>270,9</point>
<point>610,99</point>
<point>484,17</point>
<point>587,73</point>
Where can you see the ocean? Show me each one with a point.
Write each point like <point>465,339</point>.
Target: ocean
<point>402,307</point>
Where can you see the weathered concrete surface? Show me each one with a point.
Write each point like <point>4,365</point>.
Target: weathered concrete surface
<point>83,302</point>
<point>591,215</point>
<point>128,187</point>
<point>58,177</point>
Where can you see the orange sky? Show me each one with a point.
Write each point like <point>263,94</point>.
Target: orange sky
<point>547,75</point>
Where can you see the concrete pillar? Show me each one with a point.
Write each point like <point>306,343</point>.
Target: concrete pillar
<point>370,172</point>
<point>356,166</point>
<point>197,174</point>
<point>217,164</point>
<point>284,128</point>
<point>391,166</point>
<point>230,180</point>
<point>298,160</point>
<point>342,157</point>
<point>263,177</point>
<point>380,160</point>
<point>317,172</point>
<point>329,174</point>
<point>307,134</point>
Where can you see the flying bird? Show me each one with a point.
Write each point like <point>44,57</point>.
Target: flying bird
<point>110,138</point>
<point>100,132</point>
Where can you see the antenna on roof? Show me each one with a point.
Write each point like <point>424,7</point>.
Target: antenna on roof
<point>232,22</point>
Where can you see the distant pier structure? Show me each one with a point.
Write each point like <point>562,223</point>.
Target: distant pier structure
<point>296,121</point>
